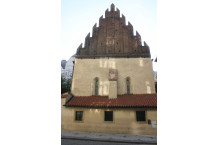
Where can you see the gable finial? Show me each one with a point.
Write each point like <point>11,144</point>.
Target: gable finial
<point>112,7</point>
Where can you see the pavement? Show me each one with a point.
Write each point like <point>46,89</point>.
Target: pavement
<point>119,138</point>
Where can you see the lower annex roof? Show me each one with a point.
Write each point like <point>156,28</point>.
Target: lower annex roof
<point>122,101</point>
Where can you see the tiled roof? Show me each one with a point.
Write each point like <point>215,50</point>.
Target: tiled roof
<point>139,100</point>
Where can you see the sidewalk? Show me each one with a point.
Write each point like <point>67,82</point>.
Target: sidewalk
<point>124,138</point>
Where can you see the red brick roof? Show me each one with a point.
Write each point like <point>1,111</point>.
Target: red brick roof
<point>139,100</point>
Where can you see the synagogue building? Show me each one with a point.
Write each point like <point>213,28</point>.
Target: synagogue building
<point>113,86</point>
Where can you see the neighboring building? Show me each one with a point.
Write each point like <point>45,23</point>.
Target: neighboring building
<point>113,87</point>
<point>63,63</point>
<point>62,71</point>
<point>69,67</point>
<point>67,72</point>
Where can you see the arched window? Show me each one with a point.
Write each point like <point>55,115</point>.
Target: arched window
<point>128,85</point>
<point>96,86</point>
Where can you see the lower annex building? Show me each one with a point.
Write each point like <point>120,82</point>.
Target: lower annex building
<point>113,87</point>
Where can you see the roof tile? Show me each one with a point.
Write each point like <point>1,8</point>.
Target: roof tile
<point>136,100</point>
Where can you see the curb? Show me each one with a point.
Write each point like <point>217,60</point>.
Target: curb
<point>107,140</point>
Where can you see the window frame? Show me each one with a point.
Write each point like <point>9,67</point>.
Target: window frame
<point>105,116</point>
<point>145,115</point>
<point>81,117</point>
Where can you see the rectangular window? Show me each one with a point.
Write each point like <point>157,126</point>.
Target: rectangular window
<point>79,115</point>
<point>108,115</point>
<point>140,115</point>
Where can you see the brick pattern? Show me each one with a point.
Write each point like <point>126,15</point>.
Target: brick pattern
<point>113,38</point>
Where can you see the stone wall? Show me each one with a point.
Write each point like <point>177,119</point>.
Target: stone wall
<point>124,121</point>
<point>139,70</point>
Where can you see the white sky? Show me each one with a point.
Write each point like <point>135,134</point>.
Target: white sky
<point>78,18</point>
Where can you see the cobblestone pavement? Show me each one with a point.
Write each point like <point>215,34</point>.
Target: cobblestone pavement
<point>86,142</point>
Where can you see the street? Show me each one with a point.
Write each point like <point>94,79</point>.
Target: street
<point>87,142</point>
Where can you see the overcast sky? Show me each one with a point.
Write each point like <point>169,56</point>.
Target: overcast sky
<point>79,16</point>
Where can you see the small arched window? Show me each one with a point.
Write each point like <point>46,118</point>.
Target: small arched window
<point>128,85</point>
<point>96,86</point>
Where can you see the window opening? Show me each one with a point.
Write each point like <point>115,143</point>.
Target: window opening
<point>96,86</point>
<point>108,115</point>
<point>79,115</point>
<point>128,85</point>
<point>140,115</point>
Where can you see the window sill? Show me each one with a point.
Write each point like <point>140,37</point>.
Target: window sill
<point>79,121</point>
<point>141,122</point>
<point>109,121</point>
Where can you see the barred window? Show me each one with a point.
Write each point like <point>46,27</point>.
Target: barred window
<point>140,115</point>
<point>108,115</point>
<point>79,115</point>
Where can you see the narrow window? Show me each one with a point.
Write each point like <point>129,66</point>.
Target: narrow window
<point>128,85</point>
<point>156,87</point>
<point>140,115</point>
<point>108,115</point>
<point>96,86</point>
<point>79,116</point>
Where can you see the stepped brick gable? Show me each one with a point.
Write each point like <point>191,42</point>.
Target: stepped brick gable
<point>113,38</point>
